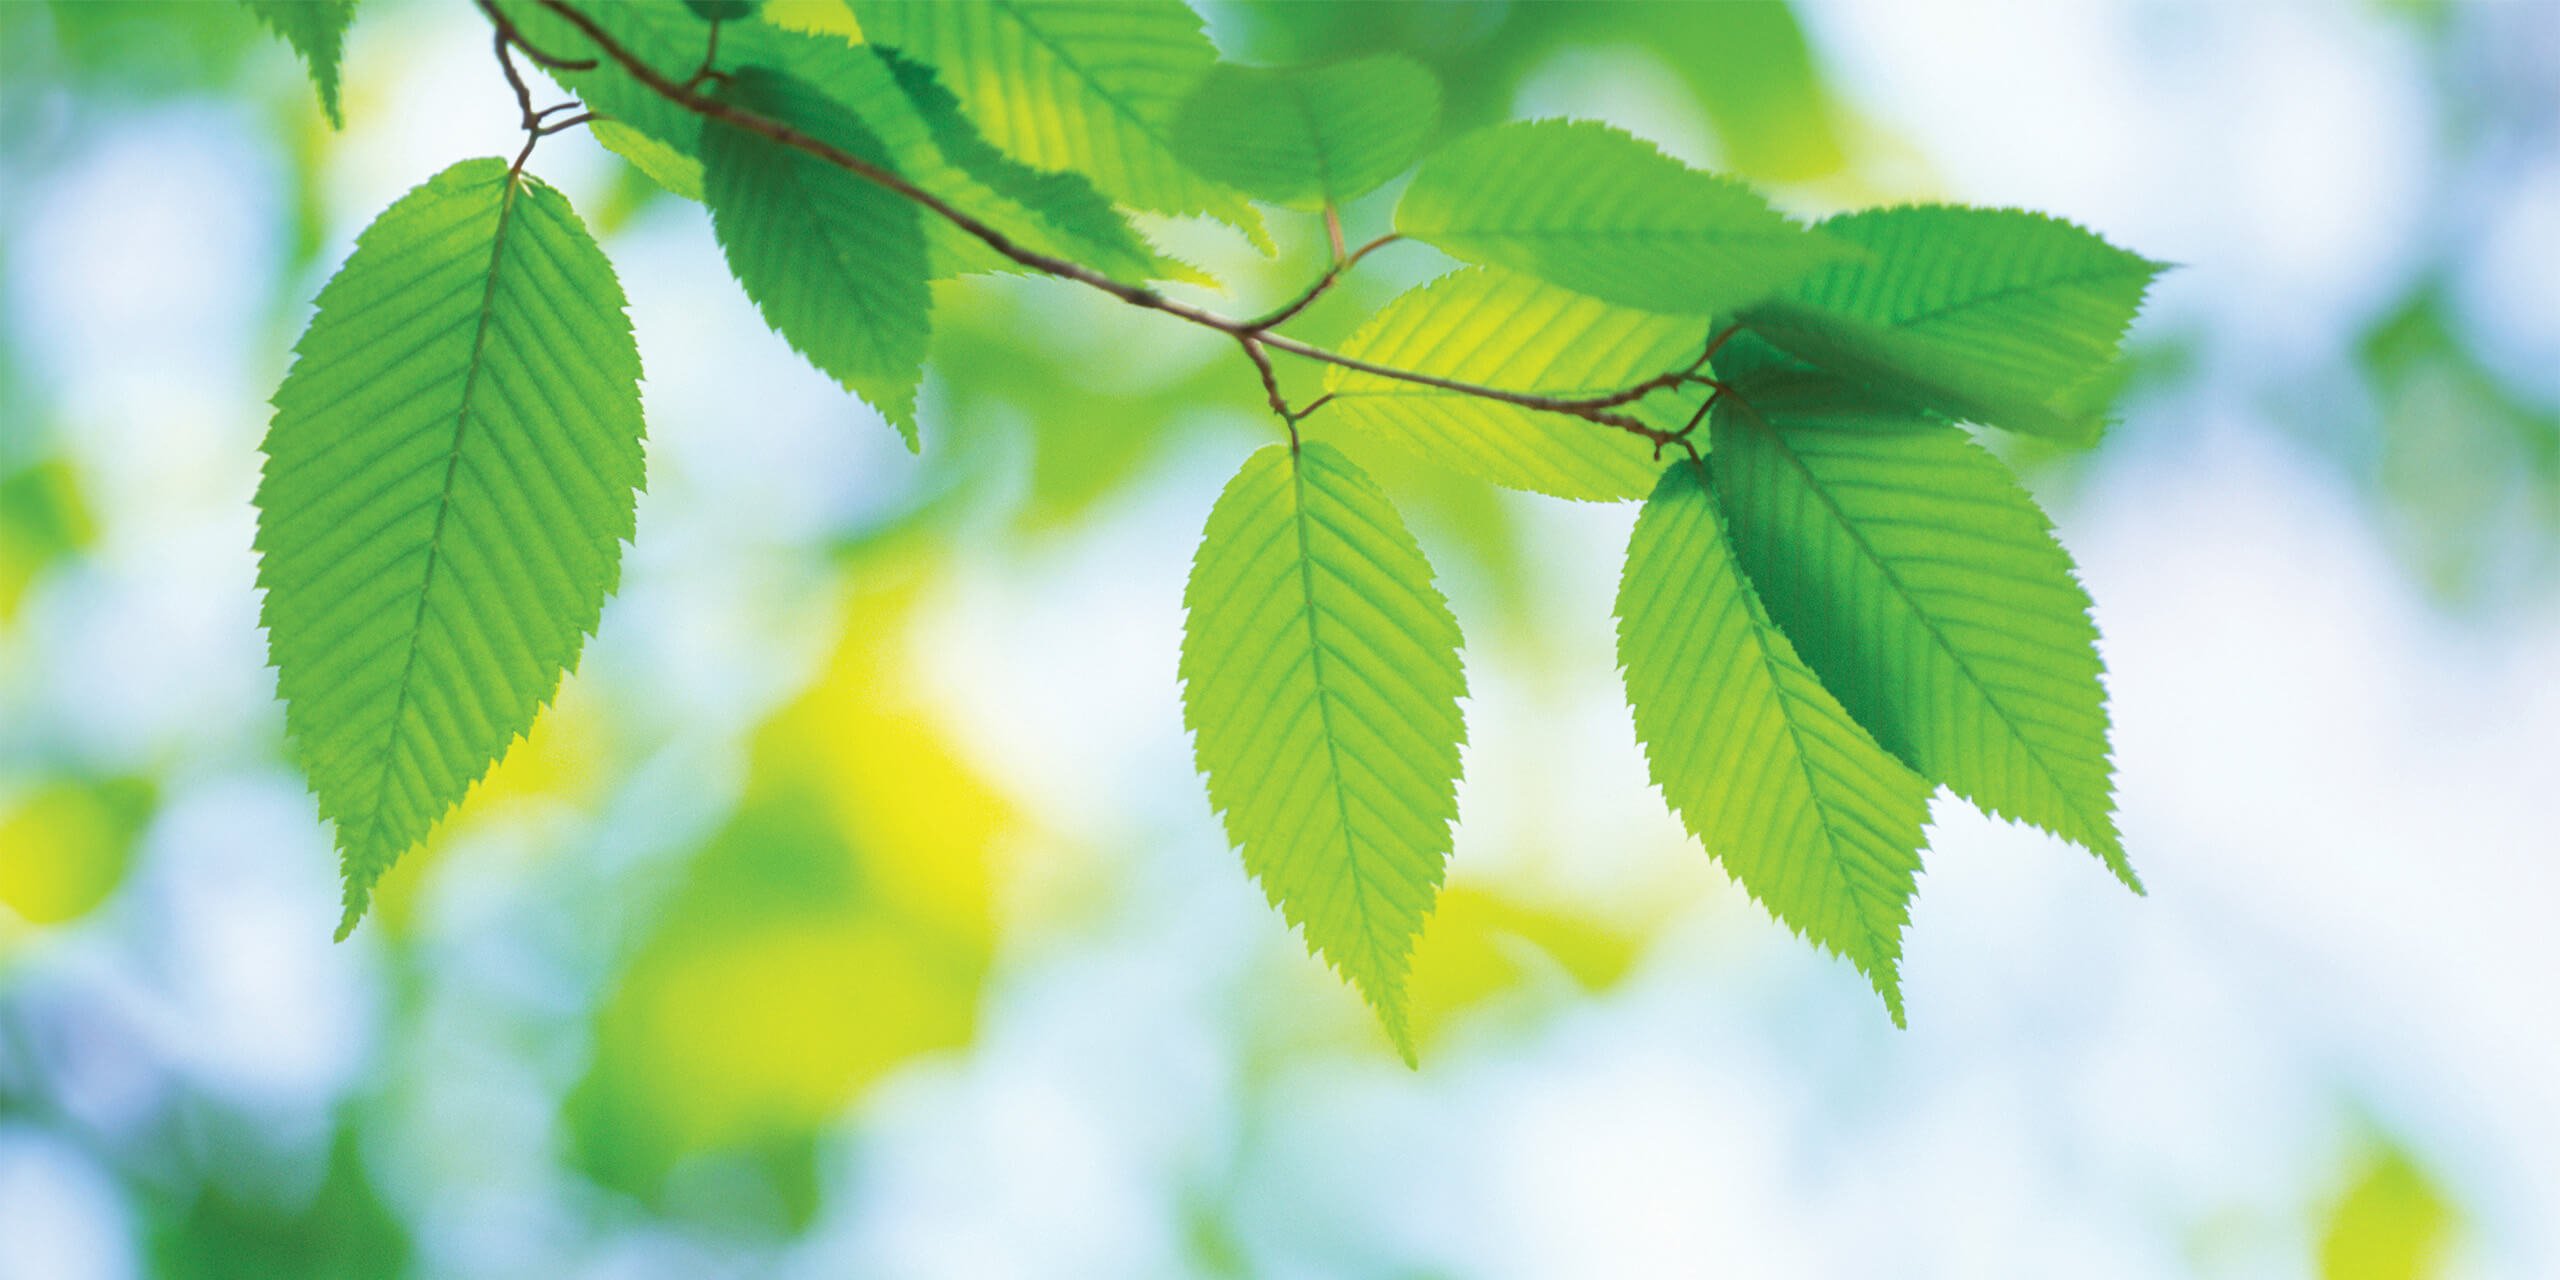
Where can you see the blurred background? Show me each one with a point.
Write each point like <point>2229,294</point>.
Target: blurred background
<point>856,911</point>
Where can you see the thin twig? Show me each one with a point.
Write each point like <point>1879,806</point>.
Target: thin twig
<point>1342,263</point>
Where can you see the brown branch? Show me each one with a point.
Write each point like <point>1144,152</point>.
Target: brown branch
<point>1255,335</point>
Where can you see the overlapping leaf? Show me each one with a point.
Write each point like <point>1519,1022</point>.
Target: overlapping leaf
<point>1760,761</point>
<point>1602,212</point>
<point>450,477</point>
<point>835,262</point>
<point>1492,327</point>
<point>1309,136</point>
<point>1997,316</point>
<point>1926,587</point>
<point>317,30</point>
<point>1091,88</point>
<point>1321,683</point>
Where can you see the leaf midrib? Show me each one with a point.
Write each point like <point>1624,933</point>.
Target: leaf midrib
<point>444,507</point>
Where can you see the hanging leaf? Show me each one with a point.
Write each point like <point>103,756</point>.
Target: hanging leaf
<point>834,261</point>
<point>1321,683</point>
<point>1762,764</point>
<point>450,477</point>
<point>1925,586</point>
<point>317,30</point>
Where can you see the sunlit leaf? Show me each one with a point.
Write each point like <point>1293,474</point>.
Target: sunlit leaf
<point>1926,588</point>
<point>317,30</point>
<point>1603,212</point>
<point>1762,764</point>
<point>1495,328</point>
<point>1321,684</point>
<point>451,474</point>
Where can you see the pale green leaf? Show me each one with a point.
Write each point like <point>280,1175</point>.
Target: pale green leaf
<point>1998,316</point>
<point>1084,87</point>
<point>450,478</point>
<point>835,262</point>
<point>1602,212</point>
<point>1815,820</point>
<point>1309,136</point>
<point>1321,683</point>
<point>1926,588</point>
<point>677,171</point>
<point>317,30</point>
<point>1495,328</point>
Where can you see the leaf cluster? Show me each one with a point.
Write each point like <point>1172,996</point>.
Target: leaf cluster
<point>1833,602</point>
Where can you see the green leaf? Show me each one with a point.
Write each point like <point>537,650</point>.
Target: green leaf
<point>1602,212</point>
<point>1308,137</point>
<point>835,262</point>
<point>450,477</point>
<point>1491,327</point>
<point>1998,316</point>
<point>1053,212</point>
<point>1321,683</point>
<point>1926,587</point>
<point>317,30</point>
<point>1091,88</point>
<point>724,10</point>
<point>1762,764</point>
<point>677,171</point>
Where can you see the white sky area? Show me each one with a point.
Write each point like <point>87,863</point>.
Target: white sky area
<point>2343,802</point>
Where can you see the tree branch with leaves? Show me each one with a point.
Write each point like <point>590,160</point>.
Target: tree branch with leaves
<point>1834,601</point>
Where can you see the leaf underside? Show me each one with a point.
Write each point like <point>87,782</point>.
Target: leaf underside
<point>1762,764</point>
<point>835,262</point>
<point>451,474</point>
<point>1927,589</point>
<point>1321,682</point>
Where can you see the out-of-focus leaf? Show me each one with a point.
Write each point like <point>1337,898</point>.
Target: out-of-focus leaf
<point>2393,1223</point>
<point>1091,88</point>
<point>343,1229</point>
<point>1482,943</point>
<point>839,925</point>
<point>66,844</point>
<point>1309,136</point>
<point>317,30</point>
<point>1597,210</point>
<point>43,517</point>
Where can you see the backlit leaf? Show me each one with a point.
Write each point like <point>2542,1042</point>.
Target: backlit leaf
<point>1996,316</point>
<point>1603,212</point>
<point>317,30</point>
<point>1491,327</point>
<point>1321,684</point>
<point>1926,588</point>
<point>450,478</point>
<point>1762,764</point>
<point>835,262</point>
